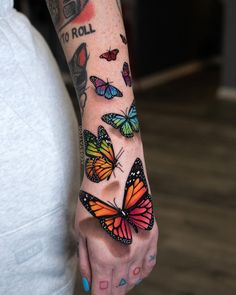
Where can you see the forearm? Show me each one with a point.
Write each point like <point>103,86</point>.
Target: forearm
<point>95,30</point>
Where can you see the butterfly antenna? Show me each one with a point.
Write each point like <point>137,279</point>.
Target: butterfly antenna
<point>123,112</point>
<point>109,82</point>
<point>121,151</point>
<point>111,204</point>
<point>114,173</point>
<point>120,168</point>
<point>114,200</point>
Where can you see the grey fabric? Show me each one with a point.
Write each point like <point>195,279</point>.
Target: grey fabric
<point>39,164</point>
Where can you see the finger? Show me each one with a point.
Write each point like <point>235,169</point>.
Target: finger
<point>101,279</point>
<point>149,262</point>
<point>84,264</point>
<point>120,280</point>
<point>135,274</point>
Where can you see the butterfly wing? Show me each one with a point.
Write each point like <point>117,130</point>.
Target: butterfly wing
<point>105,145</point>
<point>126,129</point>
<point>102,169</point>
<point>109,217</point>
<point>123,38</point>
<point>133,119</point>
<point>119,122</point>
<point>126,74</point>
<point>118,228</point>
<point>106,56</point>
<point>99,84</point>
<point>112,91</point>
<point>115,120</point>
<point>141,215</point>
<point>97,207</point>
<point>89,170</point>
<point>137,201</point>
<point>91,145</point>
<point>114,53</point>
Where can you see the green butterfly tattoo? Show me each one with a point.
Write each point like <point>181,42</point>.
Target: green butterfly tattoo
<point>126,123</point>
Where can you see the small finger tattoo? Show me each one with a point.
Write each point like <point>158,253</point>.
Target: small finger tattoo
<point>136,270</point>
<point>152,257</point>
<point>122,283</point>
<point>103,285</point>
<point>138,282</point>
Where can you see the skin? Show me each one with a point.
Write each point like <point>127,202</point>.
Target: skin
<point>102,258</point>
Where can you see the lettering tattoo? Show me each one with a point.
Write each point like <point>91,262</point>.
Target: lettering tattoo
<point>102,161</point>
<point>136,210</point>
<point>76,32</point>
<point>78,70</point>
<point>103,285</point>
<point>64,12</point>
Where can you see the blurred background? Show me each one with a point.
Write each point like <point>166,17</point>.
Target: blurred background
<point>183,57</point>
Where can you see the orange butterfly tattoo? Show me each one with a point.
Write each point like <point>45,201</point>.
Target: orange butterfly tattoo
<point>101,161</point>
<point>136,211</point>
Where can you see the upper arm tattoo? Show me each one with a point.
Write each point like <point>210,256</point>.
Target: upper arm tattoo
<point>64,11</point>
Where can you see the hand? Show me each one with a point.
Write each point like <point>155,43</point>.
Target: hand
<point>110,267</point>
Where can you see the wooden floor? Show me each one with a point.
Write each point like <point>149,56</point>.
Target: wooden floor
<point>190,147</point>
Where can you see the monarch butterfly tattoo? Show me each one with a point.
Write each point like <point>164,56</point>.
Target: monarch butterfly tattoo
<point>136,211</point>
<point>102,161</point>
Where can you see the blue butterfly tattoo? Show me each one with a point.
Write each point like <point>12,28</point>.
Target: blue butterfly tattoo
<point>105,89</point>
<point>127,123</point>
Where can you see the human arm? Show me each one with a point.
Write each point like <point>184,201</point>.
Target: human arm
<point>93,39</point>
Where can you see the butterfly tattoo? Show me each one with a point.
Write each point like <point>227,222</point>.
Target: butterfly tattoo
<point>101,161</point>
<point>127,123</point>
<point>126,74</point>
<point>123,38</point>
<point>105,89</point>
<point>136,211</point>
<point>110,54</point>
